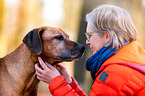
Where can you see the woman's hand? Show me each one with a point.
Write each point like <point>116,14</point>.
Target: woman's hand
<point>63,71</point>
<point>47,73</point>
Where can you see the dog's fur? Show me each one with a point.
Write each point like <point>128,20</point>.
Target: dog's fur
<point>17,72</point>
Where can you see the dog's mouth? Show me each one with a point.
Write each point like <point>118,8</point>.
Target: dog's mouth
<point>71,58</point>
<point>55,62</point>
<point>68,59</point>
<point>64,59</point>
<point>73,54</point>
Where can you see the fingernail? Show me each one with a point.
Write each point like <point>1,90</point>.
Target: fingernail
<point>39,57</point>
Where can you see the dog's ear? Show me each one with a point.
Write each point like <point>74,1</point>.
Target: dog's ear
<point>33,41</point>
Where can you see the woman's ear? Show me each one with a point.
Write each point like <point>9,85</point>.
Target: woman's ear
<point>107,35</point>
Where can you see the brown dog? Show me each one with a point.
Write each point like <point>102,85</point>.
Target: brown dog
<point>17,73</point>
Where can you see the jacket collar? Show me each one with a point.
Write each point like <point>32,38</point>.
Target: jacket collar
<point>131,55</point>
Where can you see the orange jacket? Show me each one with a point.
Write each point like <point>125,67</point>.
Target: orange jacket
<point>123,74</point>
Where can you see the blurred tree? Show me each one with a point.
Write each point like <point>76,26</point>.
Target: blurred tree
<point>3,45</point>
<point>16,19</point>
<point>1,14</point>
<point>73,9</point>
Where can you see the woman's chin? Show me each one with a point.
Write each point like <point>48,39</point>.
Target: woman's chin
<point>94,52</point>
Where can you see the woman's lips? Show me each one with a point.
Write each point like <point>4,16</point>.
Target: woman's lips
<point>91,48</point>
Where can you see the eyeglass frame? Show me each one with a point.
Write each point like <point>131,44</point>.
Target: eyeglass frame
<point>88,36</point>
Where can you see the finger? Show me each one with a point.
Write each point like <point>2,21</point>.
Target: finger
<point>39,77</point>
<point>38,74</point>
<point>43,65</point>
<point>39,70</point>
<point>60,66</point>
<point>47,64</point>
<point>50,66</point>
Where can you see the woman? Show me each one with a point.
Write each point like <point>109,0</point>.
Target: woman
<point>118,64</point>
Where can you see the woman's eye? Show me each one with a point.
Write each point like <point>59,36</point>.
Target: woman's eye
<point>59,37</point>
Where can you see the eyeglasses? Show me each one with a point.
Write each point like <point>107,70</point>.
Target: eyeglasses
<point>88,36</point>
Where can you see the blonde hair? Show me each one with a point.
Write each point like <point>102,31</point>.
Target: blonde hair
<point>116,21</point>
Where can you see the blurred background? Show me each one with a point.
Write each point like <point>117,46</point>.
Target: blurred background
<point>18,17</point>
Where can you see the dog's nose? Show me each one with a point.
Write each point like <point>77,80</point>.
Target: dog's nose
<point>80,47</point>
<point>77,50</point>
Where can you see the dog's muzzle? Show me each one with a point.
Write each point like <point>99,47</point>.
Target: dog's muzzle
<point>73,53</point>
<point>77,50</point>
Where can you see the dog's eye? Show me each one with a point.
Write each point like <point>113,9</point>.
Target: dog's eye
<point>60,37</point>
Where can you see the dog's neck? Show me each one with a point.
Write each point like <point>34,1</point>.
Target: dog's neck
<point>20,67</point>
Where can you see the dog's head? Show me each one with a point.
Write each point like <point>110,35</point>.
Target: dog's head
<point>53,45</point>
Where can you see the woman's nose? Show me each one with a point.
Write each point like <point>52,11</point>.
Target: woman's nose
<point>87,42</point>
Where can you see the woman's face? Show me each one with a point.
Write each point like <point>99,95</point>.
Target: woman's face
<point>95,41</point>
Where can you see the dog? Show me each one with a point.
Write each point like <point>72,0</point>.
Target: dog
<point>17,71</point>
